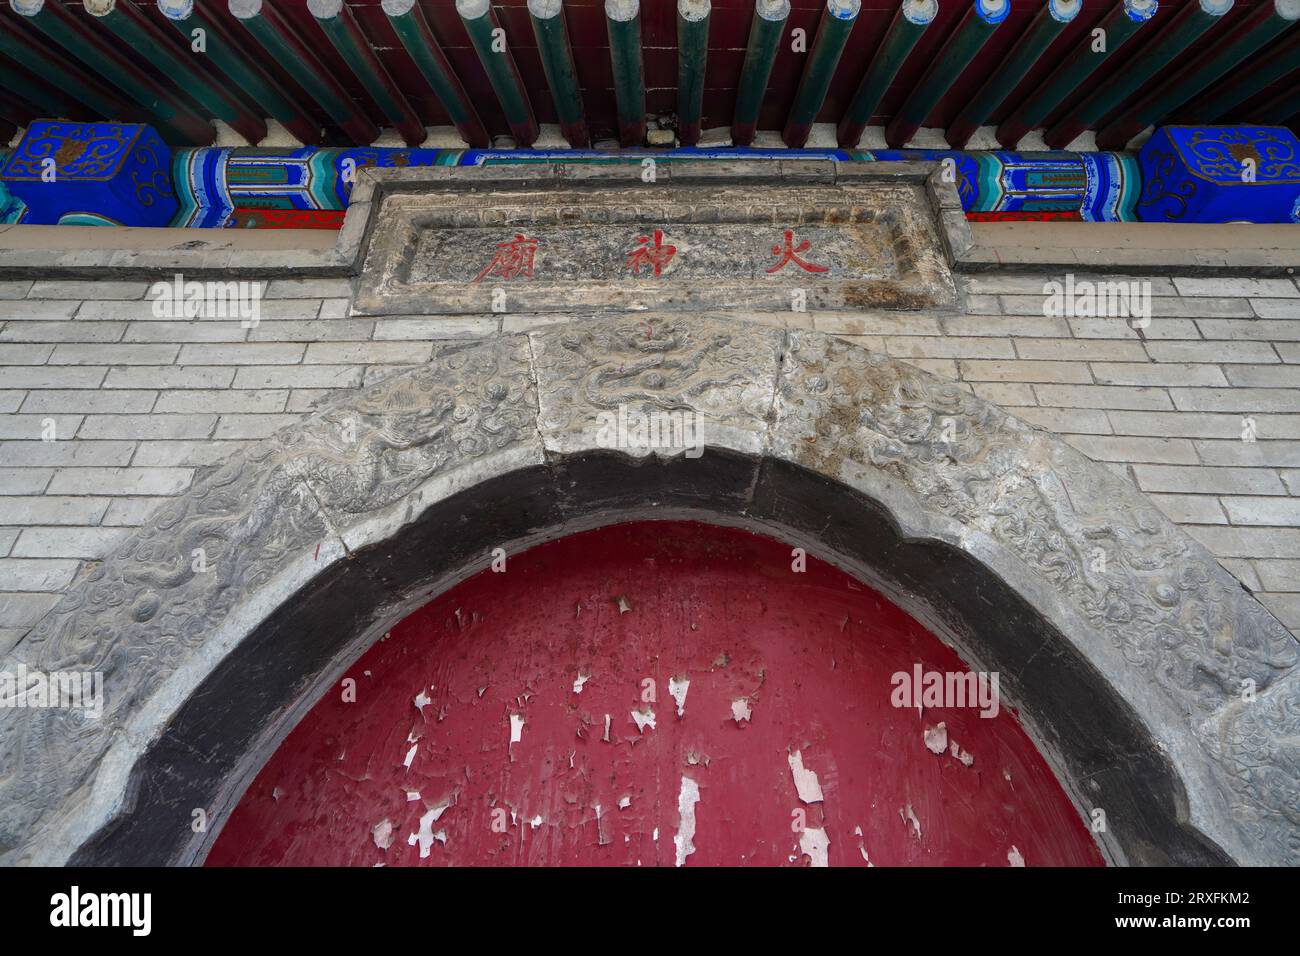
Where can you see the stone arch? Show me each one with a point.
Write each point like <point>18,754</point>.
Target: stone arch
<point>1123,644</point>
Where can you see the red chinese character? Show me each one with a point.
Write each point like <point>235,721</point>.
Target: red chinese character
<point>791,254</point>
<point>513,259</point>
<point>657,256</point>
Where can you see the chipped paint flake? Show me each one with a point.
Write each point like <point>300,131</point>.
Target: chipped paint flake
<point>579,681</point>
<point>908,816</point>
<point>740,710</point>
<point>422,700</point>
<point>412,796</point>
<point>815,844</point>
<point>535,822</point>
<point>965,757</point>
<point>862,847</point>
<point>1014,858</point>
<point>624,605</point>
<point>805,781</point>
<point>605,738</point>
<point>644,720</point>
<point>677,687</point>
<point>687,798</point>
<point>516,728</point>
<point>410,756</point>
<point>936,738</point>
<point>425,835</point>
<point>624,802</point>
<point>382,833</point>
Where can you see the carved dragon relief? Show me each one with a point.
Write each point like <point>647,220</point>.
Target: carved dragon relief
<point>722,371</point>
<point>364,452</point>
<point>136,615</point>
<point>1154,595</point>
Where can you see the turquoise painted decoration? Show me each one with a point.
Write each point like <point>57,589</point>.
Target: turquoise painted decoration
<point>12,209</point>
<point>1114,183</point>
<point>199,177</point>
<point>1220,174</point>
<point>110,173</point>
<point>999,181</point>
<point>310,178</point>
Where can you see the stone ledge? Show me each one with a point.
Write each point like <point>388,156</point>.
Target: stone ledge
<point>1153,248</point>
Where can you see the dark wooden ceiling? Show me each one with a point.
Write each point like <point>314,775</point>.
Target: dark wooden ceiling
<point>727,40</point>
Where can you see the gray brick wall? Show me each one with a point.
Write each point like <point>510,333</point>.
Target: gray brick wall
<point>137,404</point>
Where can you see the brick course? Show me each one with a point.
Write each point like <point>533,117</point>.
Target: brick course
<point>137,403</point>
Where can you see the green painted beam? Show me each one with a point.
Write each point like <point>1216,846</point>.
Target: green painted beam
<point>226,56</point>
<point>765,31</point>
<point>1118,27</point>
<point>1188,25</point>
<point>1261,26</point>
<point>1279,110</point>
<point>556,53</point>
<point>15,110</point>
<point>138,34</point>
<point>174,120</point>
<point>408,22</point>
<point>340,28</point>
<point>285,47</point>
<point>692,59</point>
<point>46,97</point>
<point>623,24</point>
<point>62,74</point>
<point>1281,61</point>
<point>489,40</point>
<point>976,27</point>
<point>833,32</point>
<point>1028,50</point>
<point>912,20</point>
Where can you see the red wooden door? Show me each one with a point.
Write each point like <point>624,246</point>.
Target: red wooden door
<point>654,694</point>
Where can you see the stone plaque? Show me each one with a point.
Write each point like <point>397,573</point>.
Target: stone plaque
<point>612,242</point>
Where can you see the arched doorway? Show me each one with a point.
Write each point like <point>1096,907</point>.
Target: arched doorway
<point>655,693</point>
<point>990,532</point>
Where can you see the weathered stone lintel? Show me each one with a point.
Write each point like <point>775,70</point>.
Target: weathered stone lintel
<point>877,237</point>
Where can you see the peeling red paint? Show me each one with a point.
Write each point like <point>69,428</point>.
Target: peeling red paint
<point>427,746</point>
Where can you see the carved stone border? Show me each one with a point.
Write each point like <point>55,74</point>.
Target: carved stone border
<point>896,215</point>
<point>1122,643</point>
